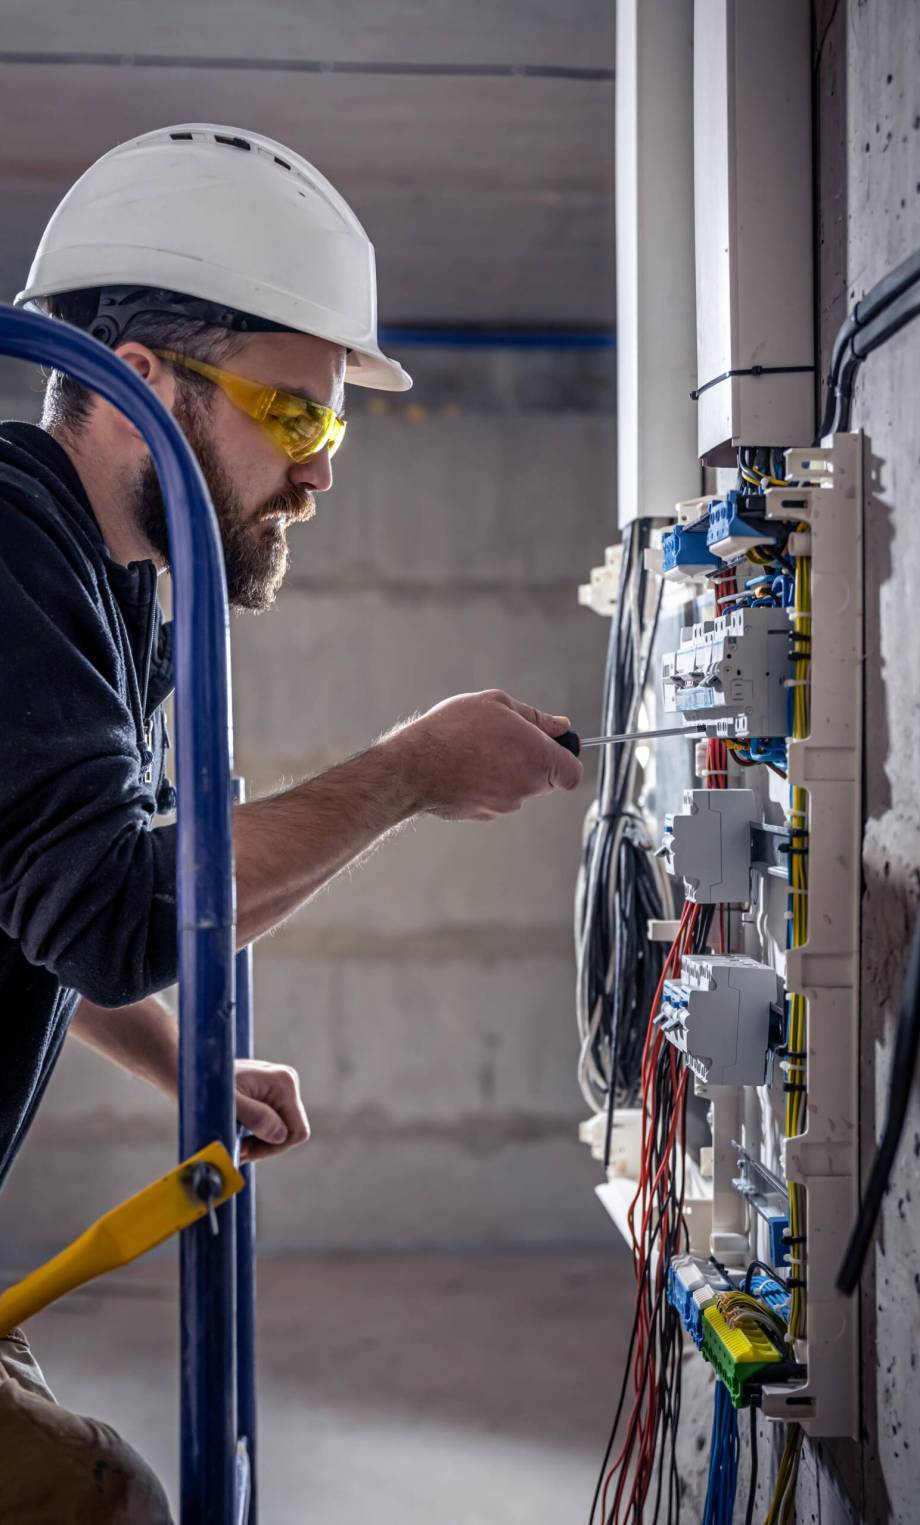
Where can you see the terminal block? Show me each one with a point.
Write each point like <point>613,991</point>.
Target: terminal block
<point>720,1015</point>
<point>738,523</point>
<point>693,1285</point>
<point>737,1355</point>
<point>733,670</point>
<point>708,844</point>
<point>684,551</point>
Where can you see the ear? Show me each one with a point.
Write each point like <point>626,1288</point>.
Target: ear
<point>157,374</point>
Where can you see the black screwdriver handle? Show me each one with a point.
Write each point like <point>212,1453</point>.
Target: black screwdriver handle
<point>571,741</point>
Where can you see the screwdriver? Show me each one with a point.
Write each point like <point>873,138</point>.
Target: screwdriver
<point>574,743</point>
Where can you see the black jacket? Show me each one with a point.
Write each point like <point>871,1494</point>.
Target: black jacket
<point>87,889</point>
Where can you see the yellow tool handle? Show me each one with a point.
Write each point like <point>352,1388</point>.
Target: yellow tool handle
<point>124,1233</point>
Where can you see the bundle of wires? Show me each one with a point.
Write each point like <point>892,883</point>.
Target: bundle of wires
<point>646,1459</point>
<point>724,1448</point>
<point>782,1504</point>
<point>892,303</point>
<point>645,1470</point>
<point>621,884</point>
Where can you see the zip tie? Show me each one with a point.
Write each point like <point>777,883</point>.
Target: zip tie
<point>796,682</point>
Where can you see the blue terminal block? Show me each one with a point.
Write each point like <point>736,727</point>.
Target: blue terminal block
<point>737,523</point>
<point>684,549</point>
<point>693,1284</point>
<point>777,1229</point>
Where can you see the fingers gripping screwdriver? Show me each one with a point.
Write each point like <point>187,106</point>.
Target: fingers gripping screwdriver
<point>574,743</point>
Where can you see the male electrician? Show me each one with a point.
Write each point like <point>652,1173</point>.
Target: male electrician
<point>234,279</point>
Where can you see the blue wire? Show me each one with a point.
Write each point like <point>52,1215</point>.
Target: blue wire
<point>724,1451</point>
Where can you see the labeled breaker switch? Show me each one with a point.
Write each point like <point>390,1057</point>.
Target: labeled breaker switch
<point>708,844</point>
<point>734,670</point>
<point>720,1016</point>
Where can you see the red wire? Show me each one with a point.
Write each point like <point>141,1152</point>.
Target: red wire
<point>653,1189</point>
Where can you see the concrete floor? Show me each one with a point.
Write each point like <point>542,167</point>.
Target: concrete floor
<point>475,1391</point>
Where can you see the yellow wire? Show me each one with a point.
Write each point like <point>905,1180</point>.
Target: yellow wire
<point>782,1503</point>
<point>797,1065</point>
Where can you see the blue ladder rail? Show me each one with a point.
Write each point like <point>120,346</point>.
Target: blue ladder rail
<point>205,909</point>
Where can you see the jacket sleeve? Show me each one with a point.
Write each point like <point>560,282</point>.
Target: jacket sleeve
<point>87,888</point>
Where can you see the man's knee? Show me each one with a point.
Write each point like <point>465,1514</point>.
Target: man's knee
<point>61,1468</point>
<point>126,1489</point>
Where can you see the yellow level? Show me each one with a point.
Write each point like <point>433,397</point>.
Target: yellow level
<point>178,1199</point>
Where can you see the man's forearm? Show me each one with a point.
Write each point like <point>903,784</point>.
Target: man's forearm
<point>143,1038</point>
<point>289,845</point>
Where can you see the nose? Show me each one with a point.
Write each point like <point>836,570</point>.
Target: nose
<point>314,473</point>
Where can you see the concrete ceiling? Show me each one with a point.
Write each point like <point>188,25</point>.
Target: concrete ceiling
<point>475,141</point>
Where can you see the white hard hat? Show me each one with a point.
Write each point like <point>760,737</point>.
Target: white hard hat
<point>228,217</point>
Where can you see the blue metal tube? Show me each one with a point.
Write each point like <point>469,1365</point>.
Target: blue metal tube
<point>204,890</point>
<point>245,1208</point>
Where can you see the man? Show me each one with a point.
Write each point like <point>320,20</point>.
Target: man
<point>232,277</point>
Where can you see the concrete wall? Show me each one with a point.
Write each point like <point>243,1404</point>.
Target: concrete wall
<point>427,998</point>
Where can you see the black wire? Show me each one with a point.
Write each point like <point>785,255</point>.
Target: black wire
<point>752,1486</point>
<point>890,304</point>
<point>758,1265</point>
<point>620,967</point>
<point>703,928</point>
<point>900,1087</point>
<point>820,49</point>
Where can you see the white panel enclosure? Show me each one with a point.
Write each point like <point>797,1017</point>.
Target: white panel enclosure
<point>656,349</point>
<point>753,220</point>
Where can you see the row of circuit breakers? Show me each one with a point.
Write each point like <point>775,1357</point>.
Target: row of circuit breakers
<point>731,674</point>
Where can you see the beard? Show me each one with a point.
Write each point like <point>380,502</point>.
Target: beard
<point>254,544</point>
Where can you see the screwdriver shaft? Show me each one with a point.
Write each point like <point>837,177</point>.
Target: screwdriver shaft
<point>611,741</point>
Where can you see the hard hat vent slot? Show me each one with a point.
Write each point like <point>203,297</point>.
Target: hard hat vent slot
<point>181,137</point>
<point>231,142</point>
<point>283,162</point>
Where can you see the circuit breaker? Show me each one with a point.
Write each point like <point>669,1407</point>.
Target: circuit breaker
<point>734,668</point>
<point>708,844</point>
<point>720,1015</point>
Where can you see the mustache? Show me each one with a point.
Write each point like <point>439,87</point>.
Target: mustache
<point>297,507</point>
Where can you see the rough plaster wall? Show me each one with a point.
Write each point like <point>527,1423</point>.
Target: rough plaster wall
<point>427,998</point>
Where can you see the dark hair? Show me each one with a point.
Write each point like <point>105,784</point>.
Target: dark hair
<point>68,403</point>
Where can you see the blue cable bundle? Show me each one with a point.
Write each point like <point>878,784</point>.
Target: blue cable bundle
<point>724,1448</point>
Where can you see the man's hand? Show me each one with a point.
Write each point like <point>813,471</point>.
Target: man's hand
<point>144,1039</point>
<point>479,756</point>
<point>268,1104</point>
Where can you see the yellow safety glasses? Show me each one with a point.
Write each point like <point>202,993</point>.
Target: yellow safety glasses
<point>302,428</point>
